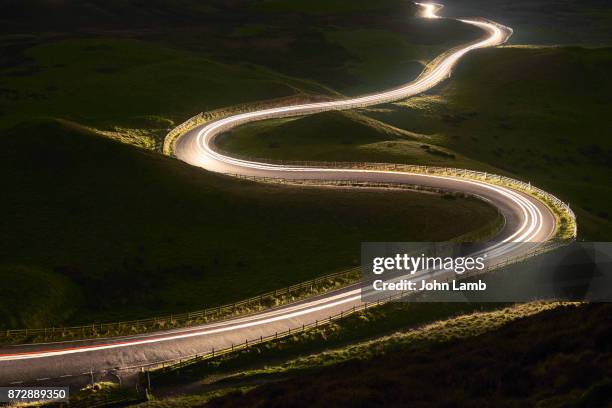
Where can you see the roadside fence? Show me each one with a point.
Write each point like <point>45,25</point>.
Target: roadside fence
<point>266,301</point>
<point>567,218</point>
<point>160,368</point>
<point>209,116</point>
<point>149,372</point>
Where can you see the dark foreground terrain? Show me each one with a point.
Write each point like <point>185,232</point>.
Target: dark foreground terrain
<point>557,358</point>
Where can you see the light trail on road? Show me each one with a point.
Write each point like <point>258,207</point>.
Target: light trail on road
<point>199,150</point>
<point>527,219</point>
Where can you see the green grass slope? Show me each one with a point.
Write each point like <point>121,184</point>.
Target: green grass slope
<point>337,136</point>
<point>306,350</point>
<point>540,114</point>
<point>125,84</point>
<point>329,6</point>
<point>509,358</point>
<point>584,22</point>
<point>355,54</point>
<point>139,234</point>
<point>75,15</point>
<point>35,297</point>
<point>136,69</point>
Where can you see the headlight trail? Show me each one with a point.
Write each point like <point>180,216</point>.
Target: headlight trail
<point>203,155</point>
<point>429,9</point>
<point>527,219</point>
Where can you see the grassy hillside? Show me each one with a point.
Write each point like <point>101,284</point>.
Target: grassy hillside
<point>136,233</point>
<point>35,296</point>
<point>40,15</point>
<point>521,356</point>
<point>362,52</point>
<point>280,356</point>
<point>337,136</point>
<point>135,70</point>
<point>132,87</point>
<point>546,124</point>
<point>329,7</point>
<point>73,15</point>
<point>544,21</point>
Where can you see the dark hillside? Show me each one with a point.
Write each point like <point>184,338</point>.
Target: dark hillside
<point>137,233</point>
<point>68,15</point>
<point>559,358</point>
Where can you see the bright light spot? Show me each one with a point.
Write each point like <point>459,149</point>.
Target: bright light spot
<point>429,9</point>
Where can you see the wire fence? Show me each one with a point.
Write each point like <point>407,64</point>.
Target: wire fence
<point>150,371</point>
<point>482,233</point>
<point>209,116</point>
<point>265,301</point>
<point>171,364</point>
<point>563,211</point>
<point>174,364</point>
<point>172,136</point>
<point>241,308</point>
<point>161,368</point>
<point>146,369</point>
<point>566,216</point>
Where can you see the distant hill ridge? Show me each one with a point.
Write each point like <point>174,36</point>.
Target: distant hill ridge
<point>65,15</point>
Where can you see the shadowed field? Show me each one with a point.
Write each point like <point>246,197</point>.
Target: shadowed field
<point>546,123</point>
<point>102,230</point>
<point>139,70</point>
<point>548,355</point>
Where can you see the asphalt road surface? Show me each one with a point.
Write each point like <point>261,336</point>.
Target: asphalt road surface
<point>526,220</point>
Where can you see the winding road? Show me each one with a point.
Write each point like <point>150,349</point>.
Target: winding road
<point>526,220</point>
